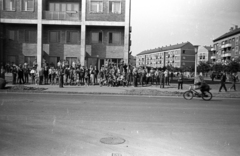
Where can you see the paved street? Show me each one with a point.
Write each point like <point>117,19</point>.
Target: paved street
<point>64,125</point>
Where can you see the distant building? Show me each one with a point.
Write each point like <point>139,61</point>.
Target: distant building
<point>204,54</point>
<point>226,47</point>
<point>132,60</point>
<point>89,32</point>
<point>178,55</point>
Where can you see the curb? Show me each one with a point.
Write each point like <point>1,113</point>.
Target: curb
<point>161,93</point>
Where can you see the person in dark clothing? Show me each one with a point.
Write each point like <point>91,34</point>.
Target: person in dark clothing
<point>26,73</point>
<point>14,75</point>
<point>161,79</point>
<point>81,75</point>
<point>234,80</point>
<point>20,75</point>
<point>61,73</point>
<point>180,81</point>
<point>41,76</point>
<point>223,81</point>
<point>46,75</point>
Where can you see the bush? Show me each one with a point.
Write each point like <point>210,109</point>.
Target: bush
<point>2,83</point>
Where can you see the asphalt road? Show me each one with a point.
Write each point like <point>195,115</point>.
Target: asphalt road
<point>64,125</point>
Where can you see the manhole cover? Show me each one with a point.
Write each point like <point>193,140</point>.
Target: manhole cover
<point>112,141</point>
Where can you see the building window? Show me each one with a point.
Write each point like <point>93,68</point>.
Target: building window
<point>27,5</point>
<point>31,36</point>
<point>236,41</point>
<point>63,7</point>
<point>9,5</point>
<point>115,7</point>
<point>97,37</point>
<point>114,38</point>
<point>183,51</point>
<point>96,7</point>
<point>54,37</point>
<point>236,50</point>
<point>73,37</point>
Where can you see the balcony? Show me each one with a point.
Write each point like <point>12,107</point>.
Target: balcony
<point>213,57</point>
<point>228,45</point>
<point>68,16</point>
<point>213,49</point>
<point>226,55</point>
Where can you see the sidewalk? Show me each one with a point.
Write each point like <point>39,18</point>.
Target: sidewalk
<point>146,90</point>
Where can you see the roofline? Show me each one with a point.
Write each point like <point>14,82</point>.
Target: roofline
<point>161,50</point>
<point>222,37</point>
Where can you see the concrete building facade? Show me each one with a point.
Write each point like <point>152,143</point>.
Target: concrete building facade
<point>204,54</point>
<point>89,32</point>
<point>226,47</point>
<point>178,55</point>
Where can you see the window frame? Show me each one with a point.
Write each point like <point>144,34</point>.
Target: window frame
<point>68,37</point>
<point>112,38</point>
<point>13,5</point>
<point>28,36</point>
<point>100,37</point>
<point>58,37</point>
<point>98,10</point>
<point>112,2</point>
<point>23,6</point>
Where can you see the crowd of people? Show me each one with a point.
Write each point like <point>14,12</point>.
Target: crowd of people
<point>108,75</point>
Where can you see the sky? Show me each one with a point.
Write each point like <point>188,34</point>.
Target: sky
<point>157,23</point>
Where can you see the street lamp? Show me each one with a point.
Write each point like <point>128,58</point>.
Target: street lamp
<point>196,52</point>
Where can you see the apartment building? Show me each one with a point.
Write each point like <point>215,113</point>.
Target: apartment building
<point>178,55</point>
<point>204,54</point>
<point>89,32</point>
<point>226,47</point>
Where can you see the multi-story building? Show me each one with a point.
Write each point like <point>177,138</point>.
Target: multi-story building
<point>178,55</point>
<point>204,54</point>
<point>89,32</point>
<point>226,47</point>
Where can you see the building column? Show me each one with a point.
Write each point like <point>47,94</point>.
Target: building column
<point>39,35</point>
<point>83,34</point>
<point>126,32</point>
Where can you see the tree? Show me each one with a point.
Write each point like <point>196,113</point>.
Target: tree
<point>218,67</point>
<point>204,67</point>
<point>232,67</point>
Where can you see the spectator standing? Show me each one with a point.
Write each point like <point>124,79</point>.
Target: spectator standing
<point>33,73</point>
<point>20,75</point>
<point>156,75</point>
<point>135,75</point>
<point>152,75</point>
<point>166,73</point>
<point>14,74</point>
<point>95,75</point>
<point>45,75</point>
<point>2,72</point>
<point>161,79</point>
<point>86,77</point>
<point>26,73</point>
<point>61,73</point>
<point>223,82</point>
<point>41,75</point>
<point>234,79</point>
<point>180,81</point>
<point>81,75</point>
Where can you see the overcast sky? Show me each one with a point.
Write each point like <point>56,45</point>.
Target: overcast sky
<point>159,23</point>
